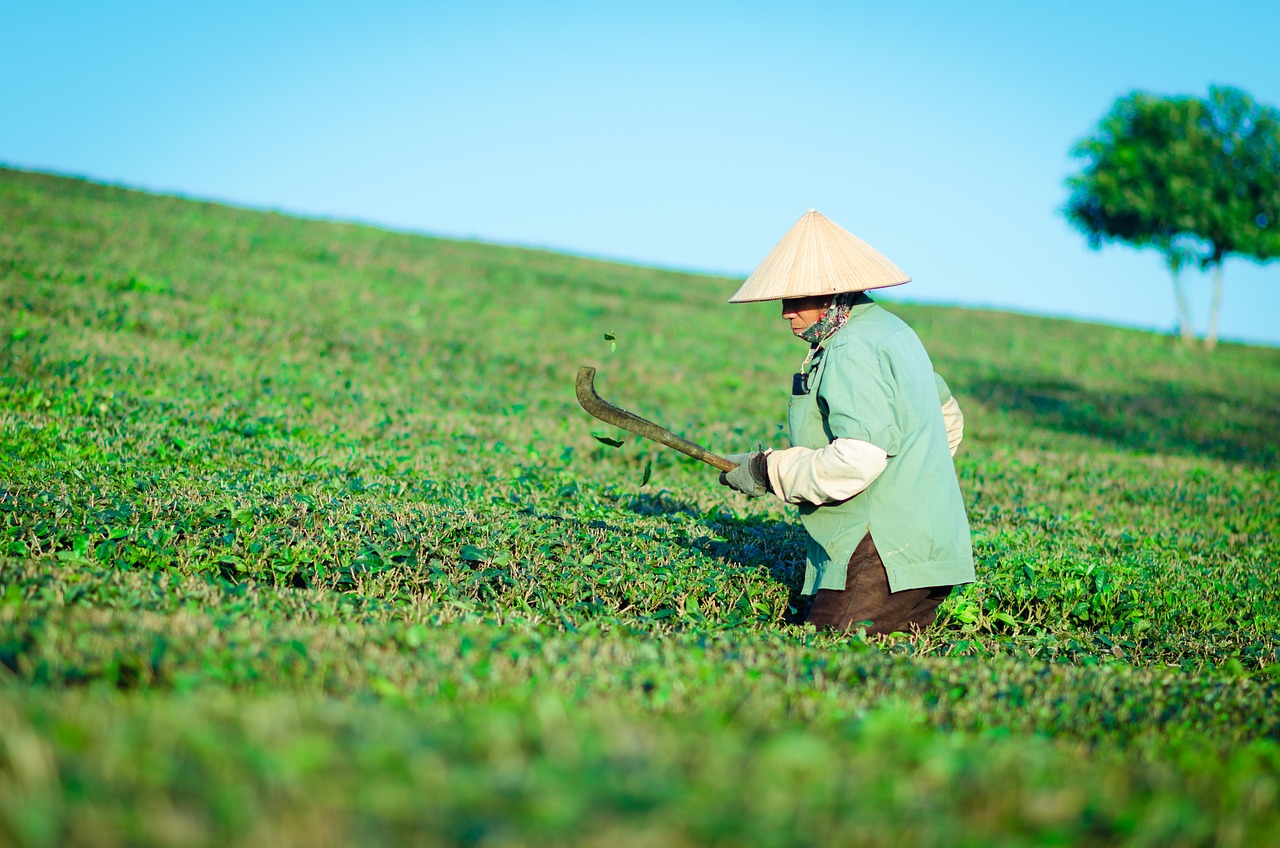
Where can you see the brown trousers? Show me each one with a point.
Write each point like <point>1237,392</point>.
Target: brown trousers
<point>866,598</point>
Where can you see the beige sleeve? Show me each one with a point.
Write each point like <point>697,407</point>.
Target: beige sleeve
<point>827,475</point>
<point>955,423</point>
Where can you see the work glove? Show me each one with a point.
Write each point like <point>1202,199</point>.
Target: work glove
<point>751,477</point>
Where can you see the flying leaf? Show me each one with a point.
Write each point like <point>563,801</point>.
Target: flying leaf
<point>606,440</point>
<point>648,472</point>
<point>612,340</point>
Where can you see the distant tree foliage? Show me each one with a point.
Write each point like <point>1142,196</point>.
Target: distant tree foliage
<point>1198,179</point>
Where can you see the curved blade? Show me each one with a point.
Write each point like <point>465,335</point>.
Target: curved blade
<point>607,412</point>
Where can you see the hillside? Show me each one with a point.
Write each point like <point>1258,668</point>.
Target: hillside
<point>306,540</point>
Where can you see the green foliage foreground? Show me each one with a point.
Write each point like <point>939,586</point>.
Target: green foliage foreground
<point>306,542</point>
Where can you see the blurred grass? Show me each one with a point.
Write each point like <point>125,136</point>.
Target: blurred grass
<point>307,541</point>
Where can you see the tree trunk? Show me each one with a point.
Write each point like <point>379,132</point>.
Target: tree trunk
<point>1184,313</point>
<point>1211,337</point>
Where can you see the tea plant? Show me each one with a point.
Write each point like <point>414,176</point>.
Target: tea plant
<point>305,539</point>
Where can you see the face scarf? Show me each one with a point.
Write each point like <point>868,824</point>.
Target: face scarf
<point>825,327</point>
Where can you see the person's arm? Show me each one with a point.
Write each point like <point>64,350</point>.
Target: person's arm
<point>857,393</point>
<point>954,420</point>
<point>827,475</point>
<point>951,415</point>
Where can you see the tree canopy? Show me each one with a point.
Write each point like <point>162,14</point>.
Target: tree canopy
<point>1198,179</point>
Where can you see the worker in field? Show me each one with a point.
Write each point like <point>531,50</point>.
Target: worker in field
<point>873,433</point>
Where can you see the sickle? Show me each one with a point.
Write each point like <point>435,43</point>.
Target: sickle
<point>633,423</point>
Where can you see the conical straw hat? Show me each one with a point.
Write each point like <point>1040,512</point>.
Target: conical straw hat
<point>818,257</point>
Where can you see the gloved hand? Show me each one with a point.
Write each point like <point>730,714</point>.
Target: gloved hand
<point>751,477</point>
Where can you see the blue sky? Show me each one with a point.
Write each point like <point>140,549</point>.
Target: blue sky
<point>684,135</point>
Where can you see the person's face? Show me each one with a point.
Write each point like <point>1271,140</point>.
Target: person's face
<point>803,311</point>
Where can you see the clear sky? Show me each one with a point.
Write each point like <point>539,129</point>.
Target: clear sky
<point>686,135</point>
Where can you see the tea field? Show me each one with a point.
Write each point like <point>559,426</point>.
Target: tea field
<point>304,540</point>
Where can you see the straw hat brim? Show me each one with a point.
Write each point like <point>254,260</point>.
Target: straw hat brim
<point>818,257</point>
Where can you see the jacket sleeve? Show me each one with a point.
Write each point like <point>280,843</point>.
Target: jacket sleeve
<point>951,414</point>
<point>826,475</point>
<point>955,424</point>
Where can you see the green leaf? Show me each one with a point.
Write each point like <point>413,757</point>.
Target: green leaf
<point>606,440</point>
<point>12,596</point>
<point>385,688</point>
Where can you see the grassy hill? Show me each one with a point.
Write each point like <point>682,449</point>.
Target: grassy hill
<point>306,541</point>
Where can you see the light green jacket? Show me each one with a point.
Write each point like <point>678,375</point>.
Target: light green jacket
<point>873,381</point>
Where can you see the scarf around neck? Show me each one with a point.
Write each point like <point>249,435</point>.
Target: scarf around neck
<point>826,326</point>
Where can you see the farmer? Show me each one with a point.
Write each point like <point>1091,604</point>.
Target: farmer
<point>873,432</point>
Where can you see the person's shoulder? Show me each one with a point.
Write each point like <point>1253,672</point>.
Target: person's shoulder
<point>868,331</point>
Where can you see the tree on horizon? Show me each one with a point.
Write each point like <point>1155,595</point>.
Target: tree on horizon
<point>1197,179</point>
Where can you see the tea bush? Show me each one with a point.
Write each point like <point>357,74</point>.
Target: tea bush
<point>305,540</point>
